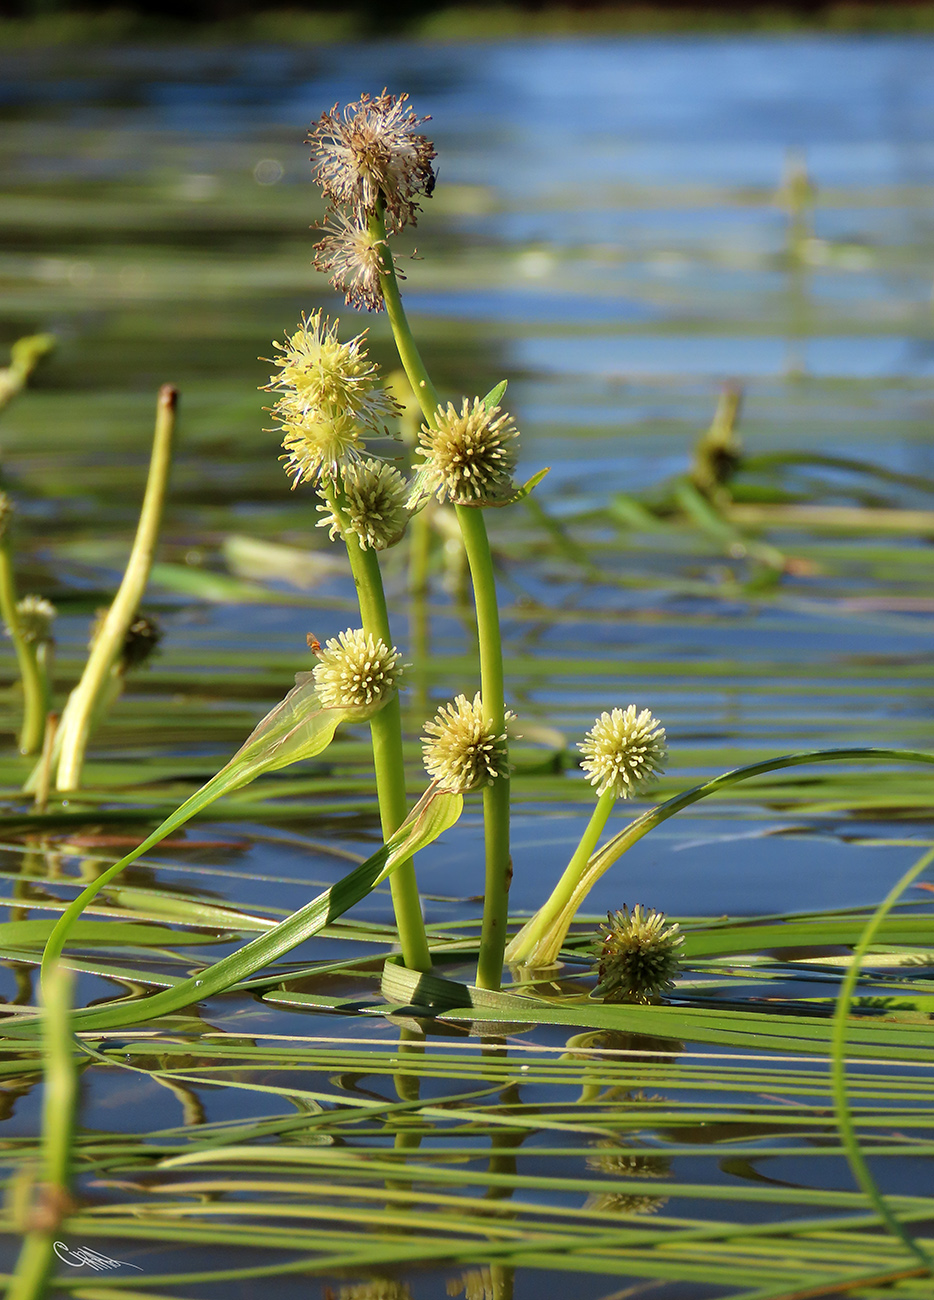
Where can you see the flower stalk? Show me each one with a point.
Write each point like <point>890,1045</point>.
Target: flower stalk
<point>78,716</point>
<point>34,680</point>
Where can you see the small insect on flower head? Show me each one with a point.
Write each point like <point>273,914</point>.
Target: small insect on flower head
<point>350,256</point>
<point>461,748</point>
<point>356,672</point>
<point>330,399</point>
<point>624,751</point>
<point>637,956</point>
<point>372,152</point>
<point>35,615</point>
<point>374,504</point>
<point>469,455</point>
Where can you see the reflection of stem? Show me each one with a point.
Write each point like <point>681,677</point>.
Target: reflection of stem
<point>526,941</point>
<point>408,1088</point>
<point>388,759</point>
<point>79,711</point>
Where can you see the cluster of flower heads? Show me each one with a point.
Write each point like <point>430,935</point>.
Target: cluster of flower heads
<point>368,159</point>
<point>624,751</point>
<point>638,955</point>
<point>461,748</point>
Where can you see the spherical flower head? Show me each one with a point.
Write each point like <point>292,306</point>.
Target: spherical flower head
<point>374,504</point>
<point>469,454</point>
<point>35,615</point>
<point>624,751</point>
<point>357,672</point>
<point>350,256</point>
<point>372,152</point>
<point>461,748</point>
<point>638,955</point>
<point>317,444</point>
<point>318,373</point>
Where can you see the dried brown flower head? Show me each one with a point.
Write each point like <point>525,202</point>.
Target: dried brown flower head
<point>350,256</point>
<point>371,152</point>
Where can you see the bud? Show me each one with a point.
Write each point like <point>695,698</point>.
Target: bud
<point>374,504</point>
<point>461,749</point>
<point>357,672</point>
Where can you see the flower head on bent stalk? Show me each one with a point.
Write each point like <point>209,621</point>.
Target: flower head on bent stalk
<point>356,671</point>
<point>461,748</point>
<point>469,455</point>
<point>349,254</point>
<point>372,152</point>
<point>330,399</point>
<point>624,751</point>
<point>637,956</point>
<point>36,615</point>
<point>374,504</point>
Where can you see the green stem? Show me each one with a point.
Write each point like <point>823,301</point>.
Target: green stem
<point>388,758</point>
<point>35,698</point>
<point>477,546</point>
<point>409,355</point>
<point>77,717</point>
<point>844,1115</point>
<point>495,796</point>
<point>526,942</point>
<point>60,1093</point>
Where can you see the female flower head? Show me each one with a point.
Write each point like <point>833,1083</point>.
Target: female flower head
<point>624,751</point>
<point>469,454</point>
<point>637,956</point>
<point>461,748</point>
<point>357,672</point>
<point>372,152</point>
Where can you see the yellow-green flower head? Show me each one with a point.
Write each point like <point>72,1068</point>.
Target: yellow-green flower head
<point>372,152</point>
<point>375,495</point>
<point>35,615</point>
<point>624,751</point>
<point>461,748</point>
<point>357,672</point>
<point>320,373</point>
<point>638,955</point>
<point>350,255</point>
<point>469,455</point>
<point>317,443</point>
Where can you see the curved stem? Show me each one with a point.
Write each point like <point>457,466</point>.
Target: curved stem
<point>77,718</point>
<point>549,945</point>
<point>35,697</point>
<point>528,938</point>
<point>838,1065</point>
<point>388,757</point>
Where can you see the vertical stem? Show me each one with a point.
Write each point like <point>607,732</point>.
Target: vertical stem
<point>388,759</point>
<point>79,711</point>
<point>523,947</point>
<point>409,355</point>
<point>495,796</point>
<point>60,1093</point>
<point>34,694</point>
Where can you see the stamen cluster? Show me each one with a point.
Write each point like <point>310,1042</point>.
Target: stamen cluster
<point>357,671</point>
<point>469,454</point>
<point>330,399</point>
<point>624,751</point>
<point>368,159</point>
<point>461,748</point>
<point>638,956</point>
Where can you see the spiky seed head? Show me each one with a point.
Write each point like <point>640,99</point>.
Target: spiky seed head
<point>624,751</point>
<point>372,152</point>
<point>375,495</point>
<point>461,748</point>
<point>350,256</point>
<point>35,615</point>
<point>637,956</point>
<point>625,1203</point>
<point>357,672</point>
<point>469,455</point>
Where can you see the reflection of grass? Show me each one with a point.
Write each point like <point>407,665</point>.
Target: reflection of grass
<point>466,22</point>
